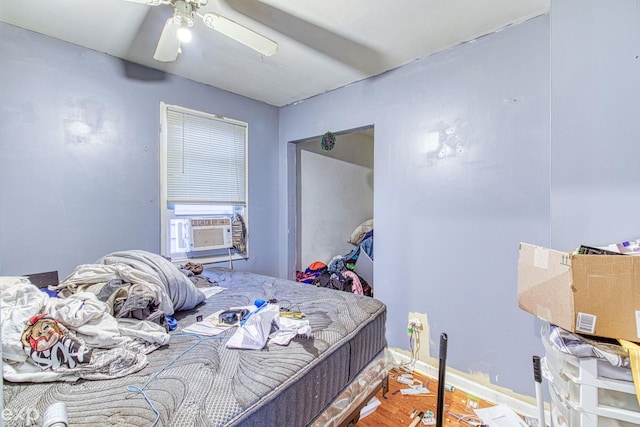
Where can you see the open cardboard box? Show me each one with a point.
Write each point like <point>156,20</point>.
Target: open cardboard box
<point>587,294</point>
<point>364,267</point>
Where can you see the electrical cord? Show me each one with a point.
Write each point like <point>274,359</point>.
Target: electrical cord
<point>468,419</point>
<point>141,390</point>
<point>414,345</point>
<point>286,305</point>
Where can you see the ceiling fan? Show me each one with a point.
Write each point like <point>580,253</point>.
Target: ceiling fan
<point>176,29</point>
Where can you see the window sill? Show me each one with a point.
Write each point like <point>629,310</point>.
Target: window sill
<point>210,259</point>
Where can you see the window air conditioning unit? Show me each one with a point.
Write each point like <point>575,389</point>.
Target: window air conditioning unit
<point>210,233</point>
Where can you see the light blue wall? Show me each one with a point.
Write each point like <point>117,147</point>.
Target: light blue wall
<point>595,125</point>
<point>449,216</point>
<point>79,171</point>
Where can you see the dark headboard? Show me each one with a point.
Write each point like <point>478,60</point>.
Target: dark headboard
<point>43,280</point>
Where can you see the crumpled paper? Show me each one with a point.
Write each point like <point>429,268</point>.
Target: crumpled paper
<point>288,329</point>
<point>254,333</point>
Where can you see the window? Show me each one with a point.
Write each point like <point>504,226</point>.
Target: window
<point>203,186</point>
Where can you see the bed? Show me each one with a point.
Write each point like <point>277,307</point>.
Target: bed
<point>321,380</point>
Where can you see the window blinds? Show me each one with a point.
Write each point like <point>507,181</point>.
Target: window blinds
<point>206,159</point>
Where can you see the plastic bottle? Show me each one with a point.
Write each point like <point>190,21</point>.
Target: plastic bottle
<point>55,415</point>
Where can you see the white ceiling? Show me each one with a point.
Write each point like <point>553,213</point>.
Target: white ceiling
<point>323,44</point>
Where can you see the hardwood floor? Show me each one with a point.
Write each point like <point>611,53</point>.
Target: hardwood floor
<point>396,409</point>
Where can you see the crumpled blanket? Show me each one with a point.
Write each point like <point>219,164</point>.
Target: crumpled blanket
<point>181,290</point>
<point>143,288</point>
<point>135,283</point>
<point>63,339</point>
<point>581,346</point>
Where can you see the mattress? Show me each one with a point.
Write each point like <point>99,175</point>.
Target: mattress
<point>197,381</point>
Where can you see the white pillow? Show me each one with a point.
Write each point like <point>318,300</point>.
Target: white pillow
<point>358,234</point>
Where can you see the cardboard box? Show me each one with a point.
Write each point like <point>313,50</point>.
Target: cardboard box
<point>588,294</point>
<point>364,267</point>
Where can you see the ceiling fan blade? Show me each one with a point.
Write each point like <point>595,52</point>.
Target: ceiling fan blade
<point>168,46</point>
<point>241,34</point>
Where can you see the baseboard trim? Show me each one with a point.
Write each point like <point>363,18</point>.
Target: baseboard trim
<point>481,391</point>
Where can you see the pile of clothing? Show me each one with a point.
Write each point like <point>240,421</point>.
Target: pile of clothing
<point>340,273</point>
<point>337,275</point>
<point>311,273</point>
<point>98,323</point>
<point>47,338</point>
<point>136,284</point>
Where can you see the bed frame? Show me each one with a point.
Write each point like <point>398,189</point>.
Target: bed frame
<point>354,416</point>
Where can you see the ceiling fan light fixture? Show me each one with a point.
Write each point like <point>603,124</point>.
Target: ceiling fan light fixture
<point>183,15</point>
<point>184,34</point>
<point>183,19</point>
<point>177,29</point>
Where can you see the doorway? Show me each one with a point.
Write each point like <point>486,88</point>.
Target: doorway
<point>333,194</point>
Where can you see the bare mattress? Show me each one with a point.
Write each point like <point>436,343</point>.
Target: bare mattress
<point>197,381</point>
